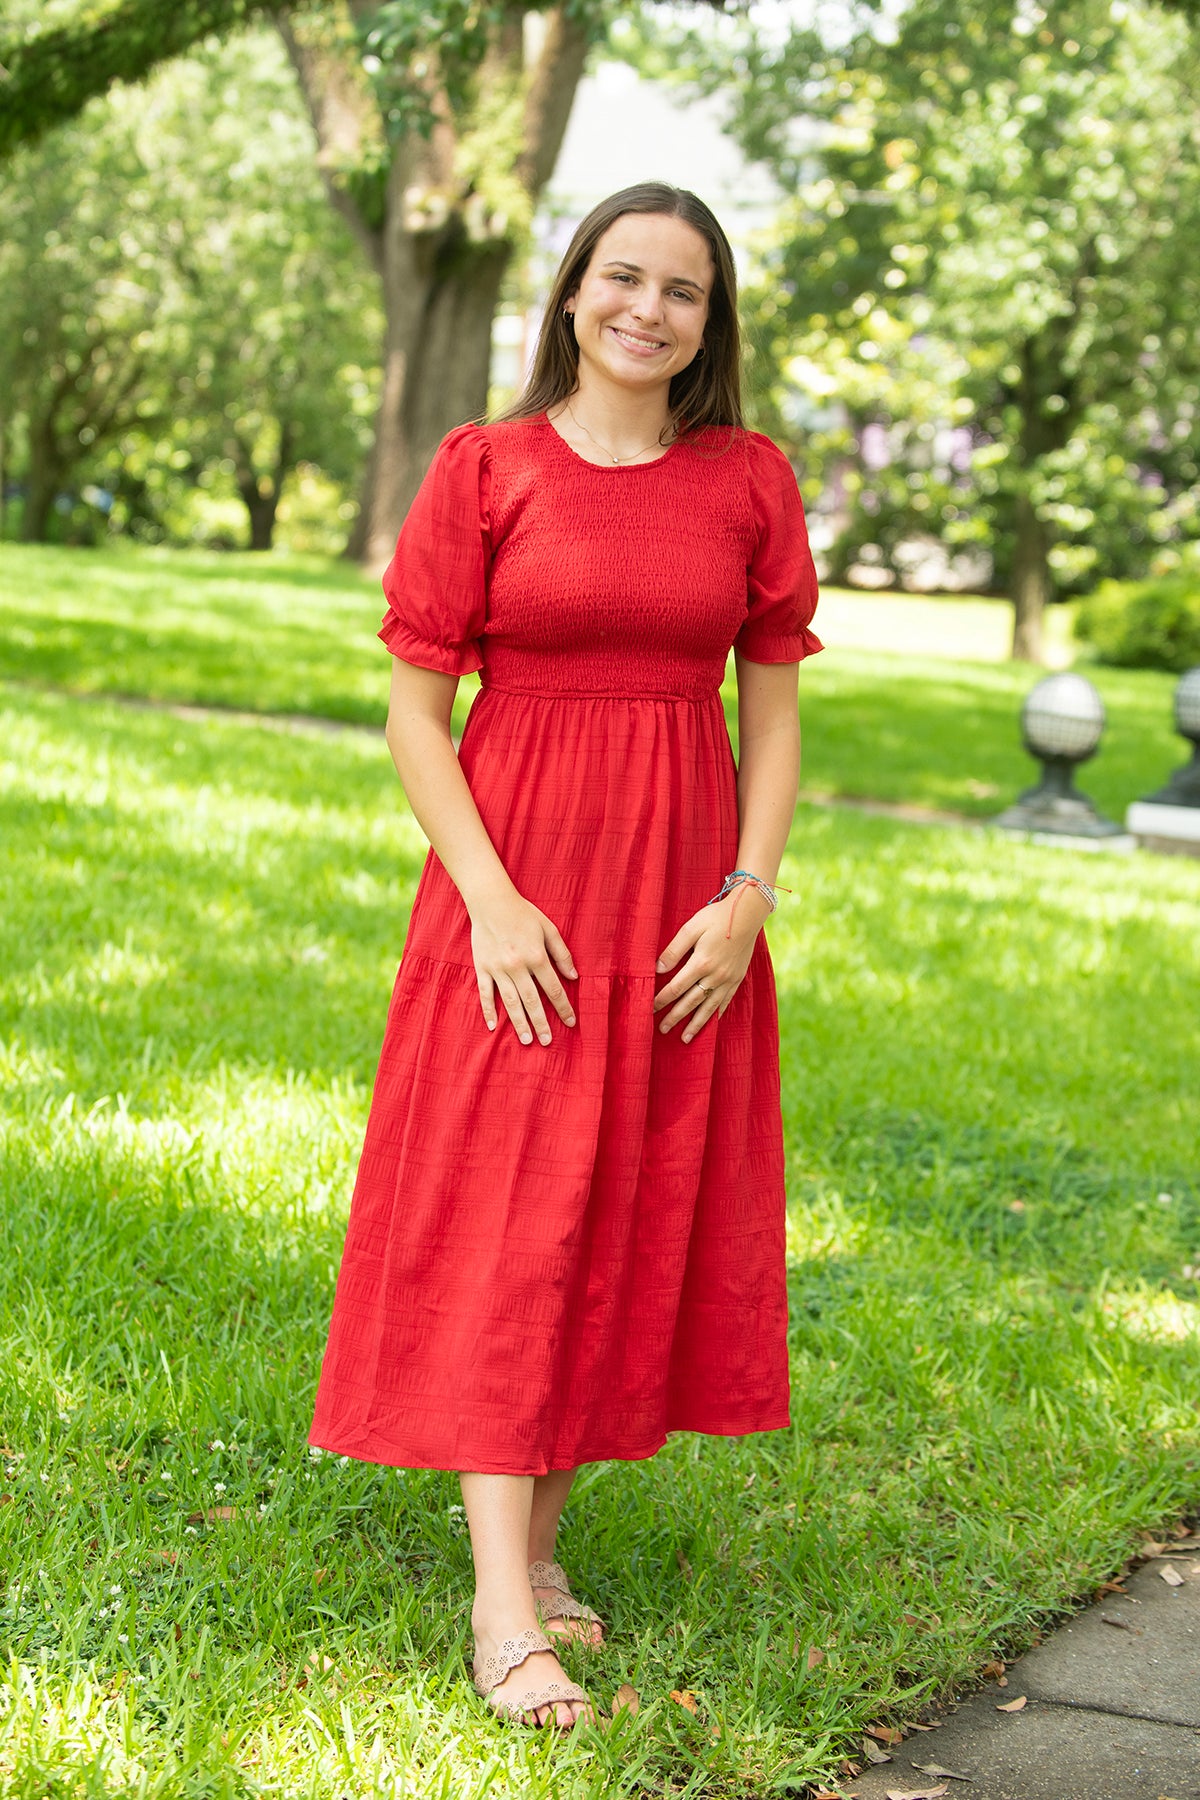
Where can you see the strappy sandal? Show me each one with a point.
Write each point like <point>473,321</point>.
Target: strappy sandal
<point>511,1654</point>
<point>564,1604</point>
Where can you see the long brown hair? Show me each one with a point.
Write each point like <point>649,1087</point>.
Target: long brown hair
<point>709,391</point>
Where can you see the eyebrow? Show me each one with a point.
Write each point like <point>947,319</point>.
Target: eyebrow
<point>636,269</point>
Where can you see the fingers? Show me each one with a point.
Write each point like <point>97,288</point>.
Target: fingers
<point>698,1004</point>
<point>559,951</point>
<point>522,1000</point>
<point>683,940</point>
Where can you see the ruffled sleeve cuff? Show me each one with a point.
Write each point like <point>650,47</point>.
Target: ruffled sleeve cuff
<point>436,583</point>
<point>781,578</point>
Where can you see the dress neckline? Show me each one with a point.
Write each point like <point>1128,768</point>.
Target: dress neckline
<point>623,468</point>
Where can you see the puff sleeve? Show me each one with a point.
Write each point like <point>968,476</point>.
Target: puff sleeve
<point>436,583</point>
<point>781,579</point>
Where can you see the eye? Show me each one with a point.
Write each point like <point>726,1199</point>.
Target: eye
<point>682,293</point>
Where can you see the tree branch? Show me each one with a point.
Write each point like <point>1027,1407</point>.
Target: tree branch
<point>555,77</point>
<point>49,76</point>
<point>346,122</point>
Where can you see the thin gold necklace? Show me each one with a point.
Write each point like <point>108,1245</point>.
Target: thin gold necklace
<point>617,459</point>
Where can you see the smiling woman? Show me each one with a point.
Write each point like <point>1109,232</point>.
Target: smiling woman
<point>565,1245</point>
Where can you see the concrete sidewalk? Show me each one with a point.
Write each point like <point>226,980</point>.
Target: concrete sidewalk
<point>1112,1708</point>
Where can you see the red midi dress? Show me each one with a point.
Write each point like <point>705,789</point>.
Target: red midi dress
<point>559,1254</point>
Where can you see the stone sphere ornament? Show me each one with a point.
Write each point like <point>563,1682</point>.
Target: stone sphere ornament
<point>1062,722</point>
<point>1187,706</point>
<point>1063,716</point>
<point>1183,789</point>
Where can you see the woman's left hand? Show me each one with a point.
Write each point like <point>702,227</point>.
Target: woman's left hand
<point>715,964</point>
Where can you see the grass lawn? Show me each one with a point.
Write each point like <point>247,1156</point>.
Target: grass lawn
<point>297,635</point>
<point>992,1111</point>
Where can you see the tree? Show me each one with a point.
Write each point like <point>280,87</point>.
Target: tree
<point>171,277</point>
<point>435,156</point>
<point>50,70</point>
<point>436,131</point>
<point>1008,193</point>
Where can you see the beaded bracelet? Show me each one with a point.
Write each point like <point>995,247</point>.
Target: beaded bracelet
<point>737,879</point>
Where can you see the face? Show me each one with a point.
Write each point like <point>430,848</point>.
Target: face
<point>642,305</point>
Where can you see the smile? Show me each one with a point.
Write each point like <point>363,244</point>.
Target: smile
<point>637,343</point>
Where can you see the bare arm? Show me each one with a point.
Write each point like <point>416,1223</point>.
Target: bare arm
<point>768,764</point>
<point>768,782</point>
<point>515,946</point>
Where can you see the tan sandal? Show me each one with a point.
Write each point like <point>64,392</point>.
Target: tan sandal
<point>511,1654</point>
<point>564,1604</point>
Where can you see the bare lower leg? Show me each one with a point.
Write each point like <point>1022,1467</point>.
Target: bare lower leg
<point>499,1509</point>
<point>549,1497</point>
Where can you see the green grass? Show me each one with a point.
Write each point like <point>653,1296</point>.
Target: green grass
<point>991,1112</point>
<point>297,635</point>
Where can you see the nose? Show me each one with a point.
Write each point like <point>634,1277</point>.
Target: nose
<point>647,303</point>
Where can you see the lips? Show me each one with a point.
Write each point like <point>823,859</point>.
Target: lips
<point>637,343</point>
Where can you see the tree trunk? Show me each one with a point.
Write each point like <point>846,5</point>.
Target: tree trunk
<point>262,509</point>
<point>439,308</point>
<point>440,258</point>
<point>43,483</point>
<point>1031,582</point>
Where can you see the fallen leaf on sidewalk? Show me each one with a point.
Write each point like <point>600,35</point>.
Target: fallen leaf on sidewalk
<point>936,1769</point>
<point>1012,1705</point>
<point>874,1754</point>
<point>1112,1587</point>
<point>625,1697</point>
<point>992,1671</point>
<point>684,1698</point>
<point>1171,1576</point>
<point>1152,1547</point>
<point>925,1793</point>
<point>1121,1624</point>
<point>886,1734</point>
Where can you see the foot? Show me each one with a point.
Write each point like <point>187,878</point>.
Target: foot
<point>539,1668</point>
<point>584,1631</point>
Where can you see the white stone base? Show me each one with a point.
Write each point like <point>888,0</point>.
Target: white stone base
<point>1172,828</point>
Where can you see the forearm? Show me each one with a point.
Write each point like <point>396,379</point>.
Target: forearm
<point>767,785</point>
<point>445,808</point>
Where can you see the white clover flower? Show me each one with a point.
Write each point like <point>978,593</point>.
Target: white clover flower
<point>165,1475</point>
<point>191,1531</point>
<point>216,1444</point>
<point>315,1453</point>
<point>218,1487</point>
<point>115,1588</point>
<point>122,1637</point>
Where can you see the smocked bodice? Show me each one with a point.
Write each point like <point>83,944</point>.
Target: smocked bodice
<point>554,576</point>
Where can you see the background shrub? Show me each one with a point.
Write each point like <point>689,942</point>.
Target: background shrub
<point>1144,624</point>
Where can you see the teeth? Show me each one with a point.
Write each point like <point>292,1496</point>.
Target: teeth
<point>642,343</point>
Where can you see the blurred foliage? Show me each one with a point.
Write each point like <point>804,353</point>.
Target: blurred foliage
<point>1144,625</point>
<point>56,58</point>
<point>993,207</point>
<point>181,314</point>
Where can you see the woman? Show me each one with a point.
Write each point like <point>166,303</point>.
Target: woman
<point>567,1233</point>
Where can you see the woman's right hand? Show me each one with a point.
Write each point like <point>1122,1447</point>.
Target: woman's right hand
<point>516,947</point>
